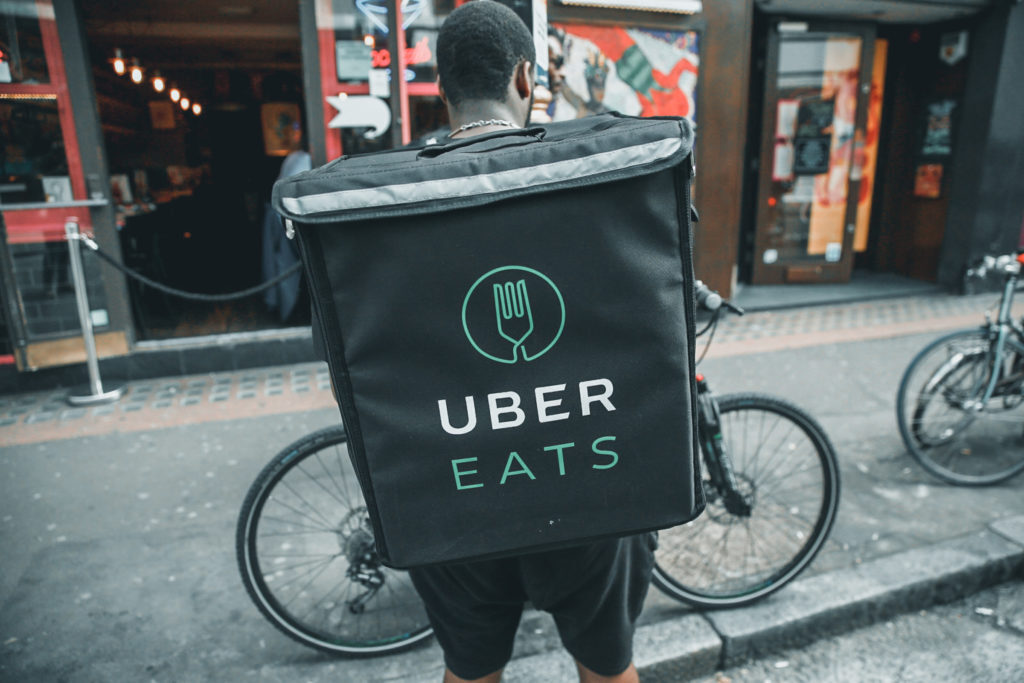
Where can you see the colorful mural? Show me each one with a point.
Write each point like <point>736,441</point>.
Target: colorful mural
<point>635,71</point>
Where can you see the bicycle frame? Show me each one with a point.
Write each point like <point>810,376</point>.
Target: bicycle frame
<point>1004,326</point>
<point>716,459</point>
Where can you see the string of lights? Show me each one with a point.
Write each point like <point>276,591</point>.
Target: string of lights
<point>137,75</point>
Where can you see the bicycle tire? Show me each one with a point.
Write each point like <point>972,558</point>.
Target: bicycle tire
<point>696,563</point>
<point>328,524</point>
<point>936,419</point>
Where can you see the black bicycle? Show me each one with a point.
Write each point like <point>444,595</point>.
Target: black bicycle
<point>960,404</point>
<point>306,550</point>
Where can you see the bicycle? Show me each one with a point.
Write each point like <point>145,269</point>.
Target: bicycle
<point>306,551</point>
<point>959,404</point>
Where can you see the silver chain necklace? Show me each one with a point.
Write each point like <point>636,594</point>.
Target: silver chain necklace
<point>481,124</point>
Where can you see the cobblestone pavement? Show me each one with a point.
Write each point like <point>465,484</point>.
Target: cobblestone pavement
<point>810,326</point>
<point>150,404</point>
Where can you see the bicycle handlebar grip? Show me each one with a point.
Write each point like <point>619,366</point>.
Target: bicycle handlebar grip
<point>707,298</point>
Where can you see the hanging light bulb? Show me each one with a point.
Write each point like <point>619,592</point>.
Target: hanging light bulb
<point>158,82</point>
<point>185,103</point>
<point>197,109</point>
<point>368,40</point>
<point>136,72</point>
<point>175,94</point>
<point>118,62</point>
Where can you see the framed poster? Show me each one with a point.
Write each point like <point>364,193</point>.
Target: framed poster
<point>282,128</point>
<point>121,189</point>
<point>928,181</point>
<point>57,188</point>
<point>161,114</point>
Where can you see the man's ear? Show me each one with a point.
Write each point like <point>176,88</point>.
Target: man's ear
<point>524,79</point>
<point>441,93</point>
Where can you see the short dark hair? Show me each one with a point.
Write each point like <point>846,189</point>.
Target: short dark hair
<point>479,46</point>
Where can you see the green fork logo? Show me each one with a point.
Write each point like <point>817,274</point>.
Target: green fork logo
<point>513,313</point>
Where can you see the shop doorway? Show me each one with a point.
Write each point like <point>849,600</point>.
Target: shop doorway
<point>819,137</point>
<point>194,140</point>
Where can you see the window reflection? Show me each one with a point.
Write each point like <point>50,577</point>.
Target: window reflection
<point>33,165</point>
<point>22,59</point>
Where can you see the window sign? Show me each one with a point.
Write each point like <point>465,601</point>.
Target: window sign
<point>813,143</point>
<point>938,129</point>
<point>355,59</point>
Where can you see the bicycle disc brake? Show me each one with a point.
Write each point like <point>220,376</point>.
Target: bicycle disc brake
<point>355,538</point>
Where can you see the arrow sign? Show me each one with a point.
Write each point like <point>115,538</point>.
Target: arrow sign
<point>360,111</point>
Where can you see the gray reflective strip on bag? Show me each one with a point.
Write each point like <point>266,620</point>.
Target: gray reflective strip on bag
<point>489,183</point>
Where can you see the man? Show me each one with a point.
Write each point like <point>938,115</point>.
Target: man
<point>595,592</point>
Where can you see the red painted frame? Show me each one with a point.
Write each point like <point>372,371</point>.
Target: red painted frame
<point>29,226</point>
<point>329,85</point>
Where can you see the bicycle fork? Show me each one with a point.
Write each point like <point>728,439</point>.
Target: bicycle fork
<point>719,464</point>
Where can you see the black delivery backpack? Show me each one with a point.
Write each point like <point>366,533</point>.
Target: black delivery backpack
<point>509,326</point>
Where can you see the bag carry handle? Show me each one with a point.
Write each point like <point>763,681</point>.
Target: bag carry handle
<point>486,142</point>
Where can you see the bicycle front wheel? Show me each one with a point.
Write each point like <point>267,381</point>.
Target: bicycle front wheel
<point>306,553</point>
<point>946,422</point>
<point>786,470</point>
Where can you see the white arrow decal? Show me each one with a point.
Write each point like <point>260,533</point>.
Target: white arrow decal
<point>360,111</point>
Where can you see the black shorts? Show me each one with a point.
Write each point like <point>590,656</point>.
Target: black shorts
<point>595,593</point>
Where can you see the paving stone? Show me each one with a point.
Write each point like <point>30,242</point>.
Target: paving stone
<point>191,401</point>
<point>301,389</point>
<point>102,410</point>
<point>40,417</point>
<point>274,391</point>
<point>7,421</point>
<point>73,414</point>
<point>163,403</point>
<point>217,398</point>
<point>246,394</point>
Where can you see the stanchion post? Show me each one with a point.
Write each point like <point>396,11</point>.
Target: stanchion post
<point>85,318</point>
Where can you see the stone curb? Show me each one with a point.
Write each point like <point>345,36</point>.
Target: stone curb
<point>810,609</point>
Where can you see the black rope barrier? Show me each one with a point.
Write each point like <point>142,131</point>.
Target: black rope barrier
<point>196,296</point>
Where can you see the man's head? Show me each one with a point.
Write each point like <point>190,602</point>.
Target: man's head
<point>485,58</point>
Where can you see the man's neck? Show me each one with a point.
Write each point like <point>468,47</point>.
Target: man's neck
<point>473,111</point>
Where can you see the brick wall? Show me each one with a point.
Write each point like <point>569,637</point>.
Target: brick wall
<point>43,273</point>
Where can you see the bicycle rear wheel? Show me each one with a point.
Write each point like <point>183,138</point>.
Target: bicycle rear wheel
<point>786,469</point>
<point>305,550</point>
<point>944,421</point>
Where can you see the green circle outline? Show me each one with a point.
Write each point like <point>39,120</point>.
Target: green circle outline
<point>465,305</point>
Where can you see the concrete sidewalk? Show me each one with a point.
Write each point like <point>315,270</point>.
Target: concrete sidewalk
<point>117,523</point>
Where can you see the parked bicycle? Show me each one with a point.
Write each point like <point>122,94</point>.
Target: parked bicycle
<point>306,550</point>
<point>960,404</point>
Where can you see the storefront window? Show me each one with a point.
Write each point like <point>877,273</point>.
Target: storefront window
<point>33,163</point>
<point>356,61</point>
<point>22,57</point>
<point>361,38</point>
